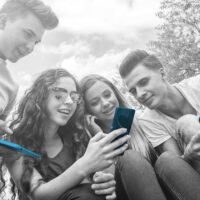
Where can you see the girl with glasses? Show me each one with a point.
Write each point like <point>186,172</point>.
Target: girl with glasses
<point>46,123</point>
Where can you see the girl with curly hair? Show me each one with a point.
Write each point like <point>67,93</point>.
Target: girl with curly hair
<point>45,123</point>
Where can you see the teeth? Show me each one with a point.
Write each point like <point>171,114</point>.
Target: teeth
<point>64,111</point>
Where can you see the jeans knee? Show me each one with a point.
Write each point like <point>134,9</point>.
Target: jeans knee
<point>132,160</point>
<point>166,164</point>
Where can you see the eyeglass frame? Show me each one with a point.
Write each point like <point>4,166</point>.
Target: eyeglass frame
<point>63,90</point>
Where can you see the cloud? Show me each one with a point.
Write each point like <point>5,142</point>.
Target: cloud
<point>66,48</point>
<point>104,65</point>
<point>107,17</point>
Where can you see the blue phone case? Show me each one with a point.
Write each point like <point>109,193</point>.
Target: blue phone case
<point>123,118</point>
<point>19,148</point>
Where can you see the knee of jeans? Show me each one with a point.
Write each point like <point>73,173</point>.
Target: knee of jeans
<point>85,194</point>
<point>165,164</point>
<point>132,159</point>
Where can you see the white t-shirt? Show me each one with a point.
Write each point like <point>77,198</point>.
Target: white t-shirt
<point>8,90</point>
<point>159,127</point>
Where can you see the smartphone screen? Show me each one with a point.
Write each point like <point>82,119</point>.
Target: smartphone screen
<point>123,118</point>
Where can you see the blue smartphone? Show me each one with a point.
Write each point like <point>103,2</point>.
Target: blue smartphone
<point>19,148</point>
<point>123,118</point>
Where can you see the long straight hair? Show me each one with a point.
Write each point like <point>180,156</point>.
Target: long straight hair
<point>138,142</point>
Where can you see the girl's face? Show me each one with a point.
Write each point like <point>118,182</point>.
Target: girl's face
<point>62,101</point>
<point>101,101</point>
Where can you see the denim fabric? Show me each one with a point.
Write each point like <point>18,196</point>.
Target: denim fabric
<point>178,176</point>
<point>136,179</point>
<point>81,192</point>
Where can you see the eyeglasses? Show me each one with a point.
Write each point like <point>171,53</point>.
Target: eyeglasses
<point>62,95</point>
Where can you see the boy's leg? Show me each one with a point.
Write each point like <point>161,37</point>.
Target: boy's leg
<point>178,176</point>
<point>138,178</point>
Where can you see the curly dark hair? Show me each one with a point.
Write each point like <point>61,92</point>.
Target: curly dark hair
<point>28,128</point>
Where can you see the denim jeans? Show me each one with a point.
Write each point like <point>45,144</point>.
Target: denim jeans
<point>181,180</point>
<point>136,179</point>
<point>81,192</point>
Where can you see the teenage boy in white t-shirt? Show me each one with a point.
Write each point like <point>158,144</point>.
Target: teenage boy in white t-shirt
<point>22,25</point>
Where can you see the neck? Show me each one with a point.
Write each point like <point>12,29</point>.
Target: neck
<point>51,131</point>
<point>172,102</point>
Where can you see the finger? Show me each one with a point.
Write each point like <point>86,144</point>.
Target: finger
<point>88,117</point>
<point>92,119</point>
<point>196,147</point>
<point>111,197</point>
<point>117,143</point>
<point>117,152</point>
<point>98,137</point>
<point>112,135</point>
<point>105,191</point>
<point>102,186</point>
<point>8,131</point>
<point>195,139</point>
<point>104,177</point>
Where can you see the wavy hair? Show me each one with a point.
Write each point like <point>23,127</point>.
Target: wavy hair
<point>138,140</point>
<point>28,127</point>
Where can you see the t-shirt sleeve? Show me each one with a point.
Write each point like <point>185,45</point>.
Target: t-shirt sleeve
<point>154,132</point>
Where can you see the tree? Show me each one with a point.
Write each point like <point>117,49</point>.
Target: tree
<point>178,41</point>
<point>118,82</point>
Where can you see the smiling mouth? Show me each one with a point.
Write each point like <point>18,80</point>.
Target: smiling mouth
<point>108,111</point>
<point>146,101</point>
<point>64,111</point>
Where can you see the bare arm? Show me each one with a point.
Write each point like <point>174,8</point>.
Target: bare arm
<point>169,145</point>
<point>99,155</point>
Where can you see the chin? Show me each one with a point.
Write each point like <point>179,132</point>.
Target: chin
<point>13,60</point>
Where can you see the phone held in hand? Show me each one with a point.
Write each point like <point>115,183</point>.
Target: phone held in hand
<point>19,148</point>
<point>123,118</point>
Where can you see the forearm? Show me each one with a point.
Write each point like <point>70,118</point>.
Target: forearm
<point>56,187</point>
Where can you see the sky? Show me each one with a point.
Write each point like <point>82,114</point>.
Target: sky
<point>93,36</point>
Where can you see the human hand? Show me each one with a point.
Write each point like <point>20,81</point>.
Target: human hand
<point>102,150</point>
<point>104,184</point>
<point>4,129</point>
<point>192,150</point>
<point>93,127</point>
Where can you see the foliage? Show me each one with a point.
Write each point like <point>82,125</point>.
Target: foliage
<point>178,41</point>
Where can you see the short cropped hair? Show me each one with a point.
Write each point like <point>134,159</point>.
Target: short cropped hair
<point>133,59</point>
<point>21,8</point>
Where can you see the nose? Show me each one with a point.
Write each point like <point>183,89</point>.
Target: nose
<point>140,95</point>
<point>104,103</point>
<point>30,46</point>
<point>68,100</point>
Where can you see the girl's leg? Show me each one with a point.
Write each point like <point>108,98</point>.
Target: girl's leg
<point>179,177</point>
<point>137,178</point>
<point>81,192</point>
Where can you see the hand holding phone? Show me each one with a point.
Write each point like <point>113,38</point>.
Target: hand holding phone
<point>123,118</point>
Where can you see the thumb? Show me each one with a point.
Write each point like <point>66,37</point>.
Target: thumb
<point>195,139</point>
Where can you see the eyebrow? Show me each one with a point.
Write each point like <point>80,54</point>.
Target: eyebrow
<point>60,89</point>
<point>64,90</point>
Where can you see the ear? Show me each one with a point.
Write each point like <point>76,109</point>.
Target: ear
<point>162,72</point>
<point>3,20</point>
